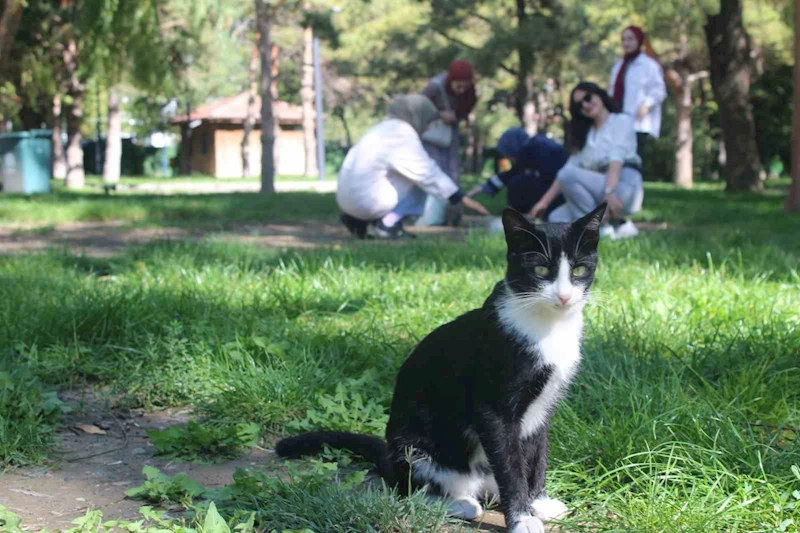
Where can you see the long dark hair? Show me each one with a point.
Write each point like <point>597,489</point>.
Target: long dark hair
<point>579,125</point>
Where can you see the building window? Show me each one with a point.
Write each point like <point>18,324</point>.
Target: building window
<point>204,143</point>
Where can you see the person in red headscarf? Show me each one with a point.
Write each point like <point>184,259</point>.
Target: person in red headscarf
<point>637,87</point>
<point>453,94</point>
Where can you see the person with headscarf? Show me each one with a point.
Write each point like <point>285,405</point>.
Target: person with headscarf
<point>453,94</point>
<point>527,166</point>
<point>637,86</point>
<point>387,173</point>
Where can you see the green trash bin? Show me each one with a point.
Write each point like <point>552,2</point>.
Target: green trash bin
<point>26,161</point>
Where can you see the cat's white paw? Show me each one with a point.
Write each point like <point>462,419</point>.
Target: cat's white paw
<point>465,508</point>
<point>547,509</point>
<point>528,524</point>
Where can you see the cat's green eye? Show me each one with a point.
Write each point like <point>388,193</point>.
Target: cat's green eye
<point>541,270</point>
<point>579,271</point>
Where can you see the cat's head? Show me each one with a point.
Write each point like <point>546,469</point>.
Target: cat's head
<point>551,266</point>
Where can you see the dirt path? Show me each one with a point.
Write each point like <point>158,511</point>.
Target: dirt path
<point>103,239</point>
<point>95,470</point>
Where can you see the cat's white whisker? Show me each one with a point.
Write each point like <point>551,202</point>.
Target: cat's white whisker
<point>546,248</point>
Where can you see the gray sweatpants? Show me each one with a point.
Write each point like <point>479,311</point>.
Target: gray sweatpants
<point>584,189</point>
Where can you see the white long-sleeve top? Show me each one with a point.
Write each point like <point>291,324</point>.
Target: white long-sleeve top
<point>644,83</point>
<point>615,140</point>
<point>383,167</point>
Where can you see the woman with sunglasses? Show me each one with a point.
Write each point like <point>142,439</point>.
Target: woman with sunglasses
<point>603,167</point>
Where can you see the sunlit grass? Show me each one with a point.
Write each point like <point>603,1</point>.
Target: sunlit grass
<point>684,416</point>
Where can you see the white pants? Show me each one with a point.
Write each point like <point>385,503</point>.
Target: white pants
<point>584,189</point>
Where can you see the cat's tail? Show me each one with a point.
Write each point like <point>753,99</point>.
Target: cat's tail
<point>371,448</point>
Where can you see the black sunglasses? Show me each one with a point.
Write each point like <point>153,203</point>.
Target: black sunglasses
<point>587,98</point>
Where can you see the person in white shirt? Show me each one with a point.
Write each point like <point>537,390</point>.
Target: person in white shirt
<point>637,86</point>
<point>387,174</point>
<point>603,167</point>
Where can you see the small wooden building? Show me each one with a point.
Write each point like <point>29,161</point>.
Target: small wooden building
<point>218,130</point>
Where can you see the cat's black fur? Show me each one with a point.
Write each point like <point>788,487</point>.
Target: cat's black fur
<point>461,398</point>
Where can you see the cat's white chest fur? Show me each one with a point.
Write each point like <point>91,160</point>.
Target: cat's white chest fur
<point>556,339</point>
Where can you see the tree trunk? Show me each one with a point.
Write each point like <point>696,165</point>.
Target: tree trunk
<point>264,24</point>
<point>684,162</point>
<point>250,119</point>
<point>480,145</point>
<point>186,140</point>
<point>792,204</point>
<point>469,132</point>
<point>9,22</point>
<point>307,97</point>
<point>729,48</point>
<point>525,106</point>
<point>111,170</point>
<point>59,159</point>
<point>339,112</point>
<point>75,178</point>
<point>544,104</point>
<point>529,120</point>
<point>276,150</point>
<point>75,90</point>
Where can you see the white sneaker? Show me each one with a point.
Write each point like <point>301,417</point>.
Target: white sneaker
<point>625,231</point>
<point>607,230</point>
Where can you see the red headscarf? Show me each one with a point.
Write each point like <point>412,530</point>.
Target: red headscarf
<point>619,83</point>
<point>461,70</point>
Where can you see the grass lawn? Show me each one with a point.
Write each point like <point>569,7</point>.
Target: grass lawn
<point>684,416</point>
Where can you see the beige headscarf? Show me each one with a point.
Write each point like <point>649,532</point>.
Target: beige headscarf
<point>415,109</point>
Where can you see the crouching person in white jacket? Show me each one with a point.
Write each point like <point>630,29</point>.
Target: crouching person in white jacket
<point>386,175</point>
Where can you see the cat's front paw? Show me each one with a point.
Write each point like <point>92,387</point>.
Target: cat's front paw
<point>528,524</point>
<point>465,508</point>
<point>547,509</point>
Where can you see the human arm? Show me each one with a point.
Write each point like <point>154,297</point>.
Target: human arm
<point>622,148</point>
<point>610,190</point>
<point>655,90</point>
<point>497,182</point>
<point>613,77</point>
<point>409,159</point>
<point>436,94</point>
<point>544,202</point>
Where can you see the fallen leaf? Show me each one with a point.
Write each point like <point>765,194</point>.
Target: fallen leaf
<point>31,493</point>
<point>90,428</point>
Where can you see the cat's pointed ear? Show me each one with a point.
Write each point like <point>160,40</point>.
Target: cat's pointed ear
<point>588,226</point>
<point>516,227</point>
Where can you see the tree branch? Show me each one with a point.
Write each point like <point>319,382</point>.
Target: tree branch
<point>697,76</point>
<point>465,45</point>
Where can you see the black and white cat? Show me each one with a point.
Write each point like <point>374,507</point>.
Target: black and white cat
<point>472,404</point>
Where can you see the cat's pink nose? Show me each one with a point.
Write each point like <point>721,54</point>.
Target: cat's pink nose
<point>564,299</point>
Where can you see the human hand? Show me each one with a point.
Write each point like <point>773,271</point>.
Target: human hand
<point>538,209</point>
<point>449,117</point>
<point>642,111</point>
<point>614,209</point>
<point>475,191</point>
<point>475,206</point>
